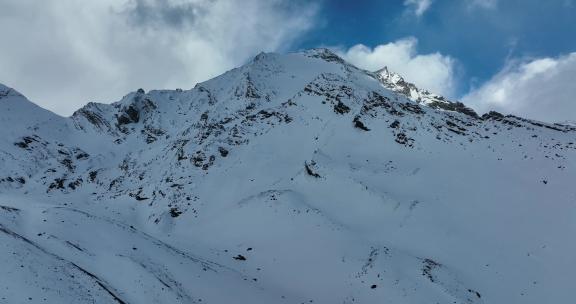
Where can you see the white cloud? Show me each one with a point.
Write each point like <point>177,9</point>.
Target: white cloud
<point>419,7</point>
<point>64,53</point>
<point>540,89</point>
<point>434,72</point>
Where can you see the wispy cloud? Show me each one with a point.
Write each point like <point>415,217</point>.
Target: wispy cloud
<point>418,7</point>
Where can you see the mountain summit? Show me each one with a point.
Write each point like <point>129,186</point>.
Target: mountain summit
<point>296,178</point>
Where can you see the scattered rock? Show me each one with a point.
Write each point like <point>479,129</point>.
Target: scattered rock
<point>359,124</point>
<point>240,258</point>
<point>477,294</point>
<point>309,169</point>
<point>223,151</point>
<point>428,267</point>
<point>174,212</point>
<point>341,108</point>
<point>403,139</point>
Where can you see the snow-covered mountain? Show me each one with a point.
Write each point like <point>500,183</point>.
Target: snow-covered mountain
<point>295,178</point>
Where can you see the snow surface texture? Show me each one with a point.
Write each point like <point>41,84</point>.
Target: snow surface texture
<point>294,179</point>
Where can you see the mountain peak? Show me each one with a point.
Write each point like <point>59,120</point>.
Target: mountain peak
<point>325,54</point>
<point>386,75</point>
<point>396,83</point>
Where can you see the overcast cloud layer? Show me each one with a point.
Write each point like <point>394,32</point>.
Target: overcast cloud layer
<point>59,53</point>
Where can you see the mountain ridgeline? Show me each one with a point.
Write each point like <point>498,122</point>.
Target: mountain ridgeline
<point>295,178</point>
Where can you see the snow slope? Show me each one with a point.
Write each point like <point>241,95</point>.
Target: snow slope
<point>296,178</point>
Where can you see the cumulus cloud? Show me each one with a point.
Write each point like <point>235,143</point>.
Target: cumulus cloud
<point>418,7</point>
<point>541,89</point>
<point>434,72</point>
<point>64,53</point>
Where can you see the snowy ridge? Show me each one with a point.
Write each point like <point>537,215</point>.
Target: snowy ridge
<point>295,178</point>
<point>396,83</point>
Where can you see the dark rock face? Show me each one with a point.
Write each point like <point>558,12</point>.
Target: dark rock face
<point>359,124</point>
<point>492,115</point>
<point>130,115</point>
<point>454,106</point>
<point>26,141</point>
<point>327,55</point>
<point>413,108</point>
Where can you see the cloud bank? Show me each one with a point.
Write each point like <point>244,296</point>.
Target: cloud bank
<point>434,72</point>
<point>541,89</point>
<point>64,53</point>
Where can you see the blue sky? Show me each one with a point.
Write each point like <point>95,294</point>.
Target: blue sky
<point>481,37</point>
<point>514,56</point>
